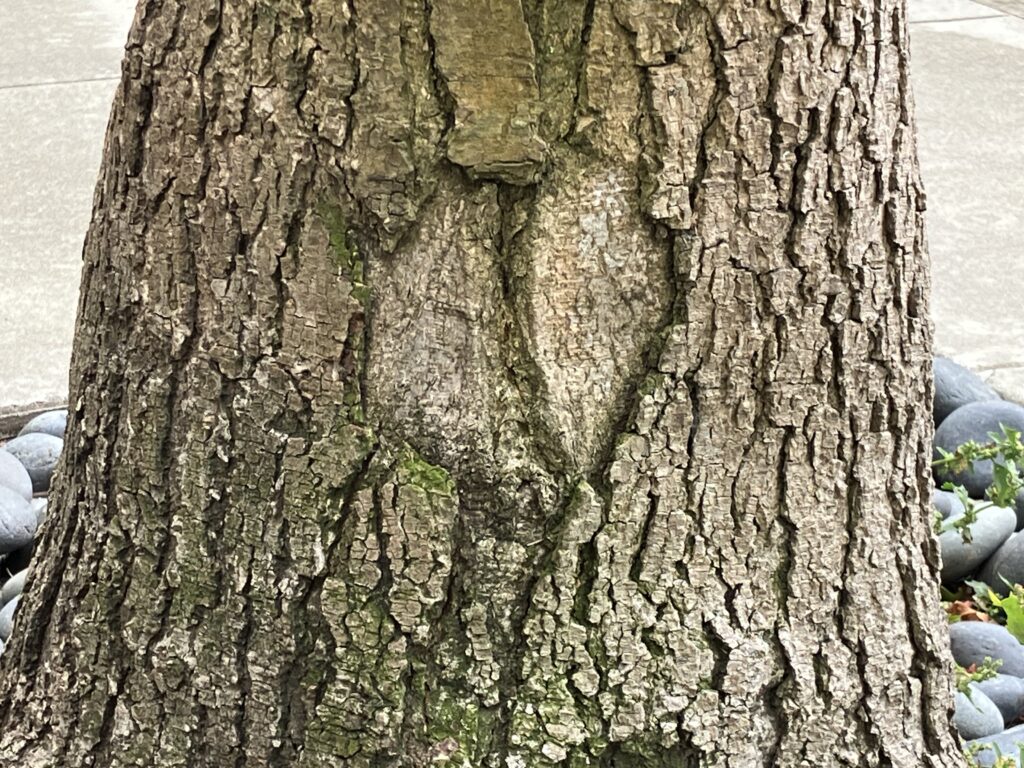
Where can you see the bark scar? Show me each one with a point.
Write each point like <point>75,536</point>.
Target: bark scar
<point>487,58</point>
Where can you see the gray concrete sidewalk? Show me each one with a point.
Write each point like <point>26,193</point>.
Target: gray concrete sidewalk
<point>59,68</point>
<point>968,78</point>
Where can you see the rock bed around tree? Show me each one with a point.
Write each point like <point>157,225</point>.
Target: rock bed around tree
<point>982,558</point>
<point>26,466</point>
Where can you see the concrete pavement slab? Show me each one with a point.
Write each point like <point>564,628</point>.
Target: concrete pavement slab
<point>49,157</point>
<point>942,10</point>
<point>968,79</point>
<point>1013,7</point>
<point>46,42</point>
<point>59,66</point>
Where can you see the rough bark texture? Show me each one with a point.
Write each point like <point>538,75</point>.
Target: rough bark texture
<point>503,383</point>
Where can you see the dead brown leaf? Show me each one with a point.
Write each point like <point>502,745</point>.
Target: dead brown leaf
<point>967,611</point>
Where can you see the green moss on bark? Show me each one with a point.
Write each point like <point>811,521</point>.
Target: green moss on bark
<point>344,252</point>
<point>413,470</point>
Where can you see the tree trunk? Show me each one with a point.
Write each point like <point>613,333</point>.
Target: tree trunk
<point>512,384</point>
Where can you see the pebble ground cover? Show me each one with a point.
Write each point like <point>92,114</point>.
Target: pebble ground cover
<point>26,467</point>
<point>979,520</point>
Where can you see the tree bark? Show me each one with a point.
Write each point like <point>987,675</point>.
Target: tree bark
<point>507,384</point>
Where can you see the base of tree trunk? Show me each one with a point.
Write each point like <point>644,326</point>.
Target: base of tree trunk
<point>542,384</point>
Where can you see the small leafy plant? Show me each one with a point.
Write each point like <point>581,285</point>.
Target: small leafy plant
<point>1002,761</point>
<point>976,674</point>
<point>1006,452</point>
<point>966,520</point>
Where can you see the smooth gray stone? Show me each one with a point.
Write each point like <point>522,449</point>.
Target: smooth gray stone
<point>1008,742</point>
<point>39,454</point>
<point>956,386</point>
<point>1005,565</point>
<point>976,716</point>
<point>974,641</point>
<point>7,618</point>
<point>959,558</point>
<point>975,421</point>
<point>14,476</point>
<point>1005,691</point>
<point>1019,506</point>
<point>40,506</point>
<point>49,423</point>
<point>17,521</point>
<point>13,587</point>
<point>947,503</point>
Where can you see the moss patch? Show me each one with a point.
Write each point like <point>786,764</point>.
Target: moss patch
<point>453,727</point>
<point>343,252</point>
<point>413,470</point>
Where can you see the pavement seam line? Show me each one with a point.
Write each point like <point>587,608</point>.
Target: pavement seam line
<point>104,79</point>
<point>963,18</point>
<point>1016,8</point>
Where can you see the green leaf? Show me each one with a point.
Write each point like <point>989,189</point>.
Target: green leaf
<point>980,588</point>
<point>981,592</point>
<point>947,594</point>
<point>964,522</point>
<point>1014,611</point>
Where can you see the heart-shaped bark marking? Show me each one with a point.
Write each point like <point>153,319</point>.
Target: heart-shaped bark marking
<point>597,291</point>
